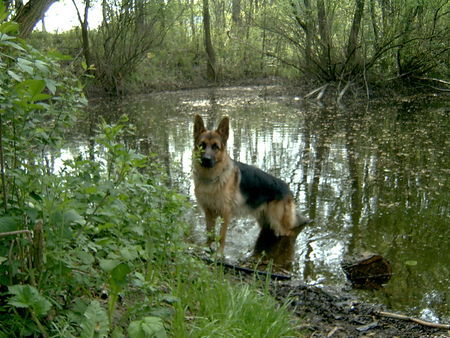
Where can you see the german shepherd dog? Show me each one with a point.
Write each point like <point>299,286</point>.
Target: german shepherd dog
<point>226,188</point>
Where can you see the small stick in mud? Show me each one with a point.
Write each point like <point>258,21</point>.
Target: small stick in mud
<point>416,320</point>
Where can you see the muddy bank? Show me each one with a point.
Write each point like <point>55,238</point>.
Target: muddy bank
<point>328,313</point>
<point>324,314</point>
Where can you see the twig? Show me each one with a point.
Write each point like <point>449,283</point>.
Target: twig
<point>17,232</point>
<point>332,332</point>
<point>416,320</point>
<point>341,94</point>
<point>321,90</point>
<point>2,167</point>
<point>432,79</point>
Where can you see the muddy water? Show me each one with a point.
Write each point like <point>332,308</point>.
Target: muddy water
<point>374,178</point>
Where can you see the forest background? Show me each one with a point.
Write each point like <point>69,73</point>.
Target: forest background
<point>146,45</point>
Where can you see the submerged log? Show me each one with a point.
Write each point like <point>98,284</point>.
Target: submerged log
<point>367,271</point>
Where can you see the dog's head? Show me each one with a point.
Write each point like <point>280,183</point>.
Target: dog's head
<point>210,145</point>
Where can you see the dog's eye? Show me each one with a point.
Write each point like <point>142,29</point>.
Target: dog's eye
<point>215,146</point>
<point>203,145</point>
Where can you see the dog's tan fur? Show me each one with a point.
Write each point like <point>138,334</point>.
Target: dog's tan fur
<point>218,187</point>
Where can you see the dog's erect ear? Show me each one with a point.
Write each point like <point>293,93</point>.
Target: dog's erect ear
<point>199,126</point>
<point>224,128</point>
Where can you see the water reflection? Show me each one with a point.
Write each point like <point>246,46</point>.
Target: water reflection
<point>373,180</point>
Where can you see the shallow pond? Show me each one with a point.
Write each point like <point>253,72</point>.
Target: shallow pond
<point>374,178</point>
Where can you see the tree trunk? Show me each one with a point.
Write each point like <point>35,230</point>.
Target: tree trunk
<point>236,12</point>
<point>325,40</point>
<point>30,14</point>
<point>308,28</point>
<point>85,33</point>
<point>375,28</point>
<point>194,30</point>
<point>354,32</point>
<point>211,57</point>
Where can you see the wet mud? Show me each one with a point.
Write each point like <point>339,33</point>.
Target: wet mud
<point>324,314</point>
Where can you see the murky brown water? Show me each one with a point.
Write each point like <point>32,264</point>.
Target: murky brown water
<point>374,179</point>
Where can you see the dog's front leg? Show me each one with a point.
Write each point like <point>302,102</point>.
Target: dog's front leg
<point>210,218</point>
<point>223,232</point>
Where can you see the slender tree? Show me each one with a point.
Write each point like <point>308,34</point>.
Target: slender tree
<point>352,44</point>
<point>85,32</point>
<point>324,32</point>
<point>210,54</point>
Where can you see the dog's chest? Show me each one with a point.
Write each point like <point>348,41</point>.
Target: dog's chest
<point>221,196</point>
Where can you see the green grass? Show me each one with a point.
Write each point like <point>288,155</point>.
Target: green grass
<point>212,305</point>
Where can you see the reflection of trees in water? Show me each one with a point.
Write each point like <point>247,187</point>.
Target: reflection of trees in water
<point>371,180</point>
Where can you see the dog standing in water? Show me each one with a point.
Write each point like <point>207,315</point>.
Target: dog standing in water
<point>226,188</point>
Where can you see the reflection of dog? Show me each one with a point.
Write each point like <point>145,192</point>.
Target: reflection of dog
<point>225,188</point>
<point>279,250</point>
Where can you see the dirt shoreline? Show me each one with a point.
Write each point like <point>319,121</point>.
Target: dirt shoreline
<point>323,314</point>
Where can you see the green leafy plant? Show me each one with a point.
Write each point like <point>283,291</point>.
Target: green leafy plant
<point>28,297</point>
<point>147,327</point>
<point>95,323</point>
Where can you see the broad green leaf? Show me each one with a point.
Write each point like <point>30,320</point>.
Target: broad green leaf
<point>95,322</point>
<point>147,327</point>
<point>9,223</point>
<point>129,253</point>
<point>109,264</point>
<point>27,296</point>
<point>41,65</point>
<point>170,299</point>
<point>86,257</point>
<point>41,97</point>
<point>15,76</point>
<point>119,275</point>
<point>37,106</point>
<point>8,27</point>
<point>71,216</point>
<point>51,85</point>
<point>3,12</point>
<point>35,86</point>
<point>25,66</point>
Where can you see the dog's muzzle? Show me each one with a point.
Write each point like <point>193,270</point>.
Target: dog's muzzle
<point>207,161</point>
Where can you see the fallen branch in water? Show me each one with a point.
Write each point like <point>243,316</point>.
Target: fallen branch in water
<point>416,320</point>
<point>320,90</point>
<point>248,270</point>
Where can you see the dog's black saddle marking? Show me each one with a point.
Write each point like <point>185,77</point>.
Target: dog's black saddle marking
<point>259,187</point>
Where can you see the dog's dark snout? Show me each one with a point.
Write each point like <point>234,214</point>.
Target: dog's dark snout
<point>207,161</point>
